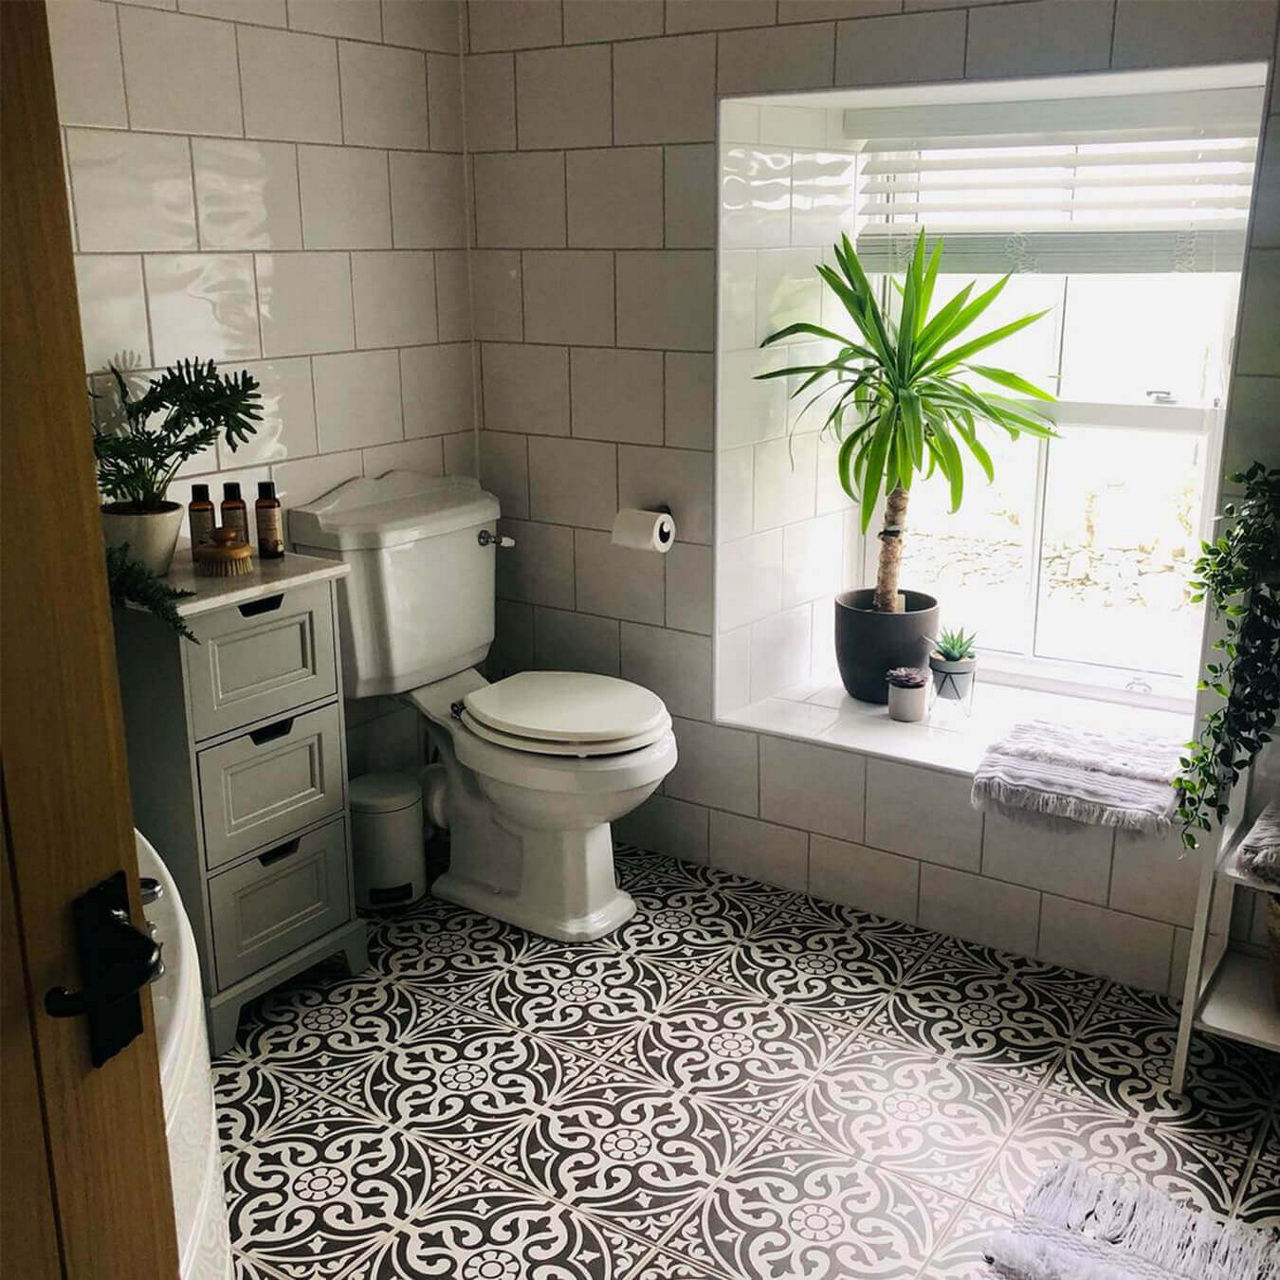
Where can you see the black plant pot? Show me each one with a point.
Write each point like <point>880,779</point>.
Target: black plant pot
<point>869,643</point>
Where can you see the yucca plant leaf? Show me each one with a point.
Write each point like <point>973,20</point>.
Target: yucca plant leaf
<point>959,355</point>
<point>1014,381</point>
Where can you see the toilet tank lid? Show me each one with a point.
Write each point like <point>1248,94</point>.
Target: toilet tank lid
<point>398,507</point>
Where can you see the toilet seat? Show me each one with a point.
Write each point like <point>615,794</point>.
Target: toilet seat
<point>565,713</point>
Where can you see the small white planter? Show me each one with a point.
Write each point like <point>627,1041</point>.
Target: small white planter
<point>953,680</point>
<point>908,705</point>
<point>151,535</point>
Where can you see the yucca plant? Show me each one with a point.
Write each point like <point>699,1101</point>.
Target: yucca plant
<point>903,405</point>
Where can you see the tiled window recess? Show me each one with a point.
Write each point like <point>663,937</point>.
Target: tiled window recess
<point>741,1082</point>
<point>593,137</point>
<point>283,193</point>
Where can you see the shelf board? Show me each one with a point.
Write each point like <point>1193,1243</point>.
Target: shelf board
<point>1238,1002</point>
<point>1229,861</point>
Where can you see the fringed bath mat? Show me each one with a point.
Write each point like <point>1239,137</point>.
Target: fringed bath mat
<point>1076,1226</point>
<point>1064,772</point>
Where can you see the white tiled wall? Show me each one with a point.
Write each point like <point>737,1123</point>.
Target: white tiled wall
<point>587,129</point>
<point>786,194</point>
<point>280,186</point>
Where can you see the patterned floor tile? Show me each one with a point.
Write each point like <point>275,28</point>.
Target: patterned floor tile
<point>793,1210</point>
<point>837,972</point>
<point>1123,1058</point>
<point>671,875</point>
<point>634,1154</point>
<point>986,1006</point>
<point>731,1048</point>
<point>1056,1128</point>
<point>692,927</point>
<point>445,950</point>
<point>962,1253</point>
<point>834,915</point>
<point>587,996</point>
<point>307,1196</point>
<point>460,1081</point>
<point>315,1035</point>
<point>246,1268</point>
<point>248,1098</point>
<point>1259,1201</point>
<point>484,1228</point>
<point>910,1111</point>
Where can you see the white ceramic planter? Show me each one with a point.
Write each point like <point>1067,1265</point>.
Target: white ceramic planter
<point>952,680</point>
<point>908,705</point>
<point>151,536</point>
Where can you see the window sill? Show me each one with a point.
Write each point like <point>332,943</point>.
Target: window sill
<point>949,740</point>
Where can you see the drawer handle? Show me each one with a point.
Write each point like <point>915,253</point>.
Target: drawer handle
<point>270,732</point>
<point>268,604</point>
<point>278,855</point>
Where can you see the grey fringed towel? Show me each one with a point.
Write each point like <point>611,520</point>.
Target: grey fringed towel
<point>1076,1226</point>
<point>1260,849</point>
<point>1066,772</point>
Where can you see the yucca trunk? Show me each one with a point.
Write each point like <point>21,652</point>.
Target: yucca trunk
<point>887,599</point>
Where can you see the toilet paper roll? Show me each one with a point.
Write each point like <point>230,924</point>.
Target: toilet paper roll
<point>644,530</point>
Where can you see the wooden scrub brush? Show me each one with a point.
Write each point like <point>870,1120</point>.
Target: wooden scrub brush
<point>226,556</point>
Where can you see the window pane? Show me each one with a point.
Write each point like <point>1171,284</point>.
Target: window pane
<point>978,561</point>
<point>1121,531</point>
<point>1127,335</point>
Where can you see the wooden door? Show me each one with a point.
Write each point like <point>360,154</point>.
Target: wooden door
<point>86,1174</point>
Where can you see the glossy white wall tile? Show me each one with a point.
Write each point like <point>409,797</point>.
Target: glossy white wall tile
<point>679,479</point>
<point>748,847</point>
<point>1095,940</point>
<point>132,191</point>
<point>288,426</point>
<point>202,305</point>
<point>290,86</point>
<point>755,197</point>
<point>247,194</point>
<point>384,96</point>
<point>674,664</point>
<point>357,399</point>
<point>689,400</point>
<point>617,395</point>
<point>573,482</point>
<point>421,24</point>
<point>180,73</point>
<point>87,70</point>
<point>305,300</point>
<point>567,641</point>
<point>346,198</point>
<point>394,295</point>
<point>539,568</point>
<point>870,879</point>
<point>1074,861</point>
<point>718,767</point>
<point>427,204</point>
<point>748,579</point>
<point>924,813</point>
<point>979,909</point>
<point>689,577</point>
<point>437,383</point>
<point>780,652</point>
<point>113,311</point>
<point>817,788</point>
<point>616,581</point>
<point>360,19</point>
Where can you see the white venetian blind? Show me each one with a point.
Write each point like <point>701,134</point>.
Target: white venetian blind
<point>1155,181</point>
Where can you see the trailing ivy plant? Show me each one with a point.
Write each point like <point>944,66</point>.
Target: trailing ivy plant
<point>1239,574</point>
<point>194,405</point>
<point>131,582</point>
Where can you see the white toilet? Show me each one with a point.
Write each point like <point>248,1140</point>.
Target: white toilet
<point>537,765</point>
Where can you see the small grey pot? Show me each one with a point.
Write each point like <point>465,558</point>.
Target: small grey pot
<point>909,705</point>
<point>952,680</point>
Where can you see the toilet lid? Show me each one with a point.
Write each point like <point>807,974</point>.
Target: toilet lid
<point>569,707</point>
<point>583,750</point>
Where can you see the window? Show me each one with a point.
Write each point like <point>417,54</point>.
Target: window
<point>1125,215</point>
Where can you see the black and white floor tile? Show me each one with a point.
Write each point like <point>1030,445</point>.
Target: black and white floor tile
<point>740,1083</point>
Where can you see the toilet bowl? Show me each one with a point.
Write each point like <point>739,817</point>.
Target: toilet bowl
<point>536,766</point>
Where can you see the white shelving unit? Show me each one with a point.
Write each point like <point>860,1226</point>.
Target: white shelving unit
<point>1228,992</point>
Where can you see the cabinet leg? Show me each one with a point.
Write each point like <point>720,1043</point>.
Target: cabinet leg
<point>356,951</point>
<point>224,1022</point>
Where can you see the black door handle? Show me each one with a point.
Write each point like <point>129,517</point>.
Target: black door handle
<point>270,732</point>
<point>117,961</point>
<point>267,604</point>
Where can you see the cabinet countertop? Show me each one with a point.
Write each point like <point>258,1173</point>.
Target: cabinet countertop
<point>268,577</point>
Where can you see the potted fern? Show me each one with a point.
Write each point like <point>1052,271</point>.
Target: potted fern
<point>189,407</point>
<point>901,406</point>
<point>953,662</point>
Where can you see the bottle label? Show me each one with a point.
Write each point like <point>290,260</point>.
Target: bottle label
<point>201,526</point>
<point>270,522</point>
<point>236,518</point>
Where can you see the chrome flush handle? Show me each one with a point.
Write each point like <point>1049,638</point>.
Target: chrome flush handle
<point>487,539</point>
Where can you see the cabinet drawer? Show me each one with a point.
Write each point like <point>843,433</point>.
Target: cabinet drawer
<point>262,787</point>
<point>277,902</point>
<point>259,659</point>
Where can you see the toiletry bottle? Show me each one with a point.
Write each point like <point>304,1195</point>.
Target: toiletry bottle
<point>235,514</point>
<point>270,521</point>
<point>201,516</point>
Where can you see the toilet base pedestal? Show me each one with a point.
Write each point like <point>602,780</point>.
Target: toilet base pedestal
<point>565,887</point>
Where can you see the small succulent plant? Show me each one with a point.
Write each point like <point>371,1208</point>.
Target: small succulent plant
<point>907,677</point>
<point>955,645</point>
